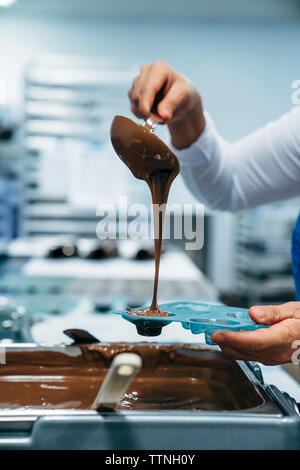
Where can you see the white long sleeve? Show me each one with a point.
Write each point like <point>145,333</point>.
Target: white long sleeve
<point>260,168</point>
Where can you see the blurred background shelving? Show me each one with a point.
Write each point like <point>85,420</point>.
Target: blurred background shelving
<point>68,107</point>
<point>65,70</point>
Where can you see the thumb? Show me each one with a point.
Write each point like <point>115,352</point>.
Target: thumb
<point>270,314</point>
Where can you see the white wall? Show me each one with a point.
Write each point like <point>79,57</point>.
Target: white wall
<point>192,9</point>
<point>242,68</point>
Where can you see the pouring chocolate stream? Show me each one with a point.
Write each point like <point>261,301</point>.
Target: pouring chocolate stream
<point>149,159</point>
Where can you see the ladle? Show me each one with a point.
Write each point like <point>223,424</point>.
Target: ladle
<point>149,159</point>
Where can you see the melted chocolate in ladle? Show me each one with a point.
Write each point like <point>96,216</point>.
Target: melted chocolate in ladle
<point>151,160</point>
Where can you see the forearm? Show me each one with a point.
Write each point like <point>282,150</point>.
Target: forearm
<point>206,169</point>
<point>260,168</point>
<point>186,131</point>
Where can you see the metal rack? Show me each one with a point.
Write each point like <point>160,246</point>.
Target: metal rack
<point>68,104</point>
<point>262,257</point>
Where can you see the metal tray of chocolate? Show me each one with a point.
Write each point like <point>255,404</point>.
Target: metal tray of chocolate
<point>183,397</point>
<point>198,317</point>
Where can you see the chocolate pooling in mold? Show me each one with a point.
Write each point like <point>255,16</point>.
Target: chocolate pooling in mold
<point>149,159</point>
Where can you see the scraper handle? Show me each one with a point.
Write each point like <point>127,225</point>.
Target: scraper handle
<point>123,369</point>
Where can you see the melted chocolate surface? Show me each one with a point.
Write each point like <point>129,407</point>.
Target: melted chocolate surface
<point>142,312</point>
<point>172,378</point>
<point>149,159</point>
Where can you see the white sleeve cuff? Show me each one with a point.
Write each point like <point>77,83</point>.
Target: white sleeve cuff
<point>201,150</point>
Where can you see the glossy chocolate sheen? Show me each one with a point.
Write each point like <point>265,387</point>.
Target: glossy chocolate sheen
<point>173,377</point>
<point>151,160</point>
<point>141,150</point>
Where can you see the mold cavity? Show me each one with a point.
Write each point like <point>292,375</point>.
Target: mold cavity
<point>216,321</point>
<point>196,308</point>
<point>200,308</point>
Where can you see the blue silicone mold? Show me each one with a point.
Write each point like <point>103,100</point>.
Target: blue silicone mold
<point>197,317</point>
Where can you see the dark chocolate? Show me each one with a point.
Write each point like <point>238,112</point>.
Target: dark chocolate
<point>151,160</point>
<point>173,377</point>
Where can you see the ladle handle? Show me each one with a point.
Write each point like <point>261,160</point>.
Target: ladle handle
<point>158,98</point>
<point>152,123</point>
<point>123,369</point>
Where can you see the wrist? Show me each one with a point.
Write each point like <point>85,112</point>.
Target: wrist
<point>186,131</point>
